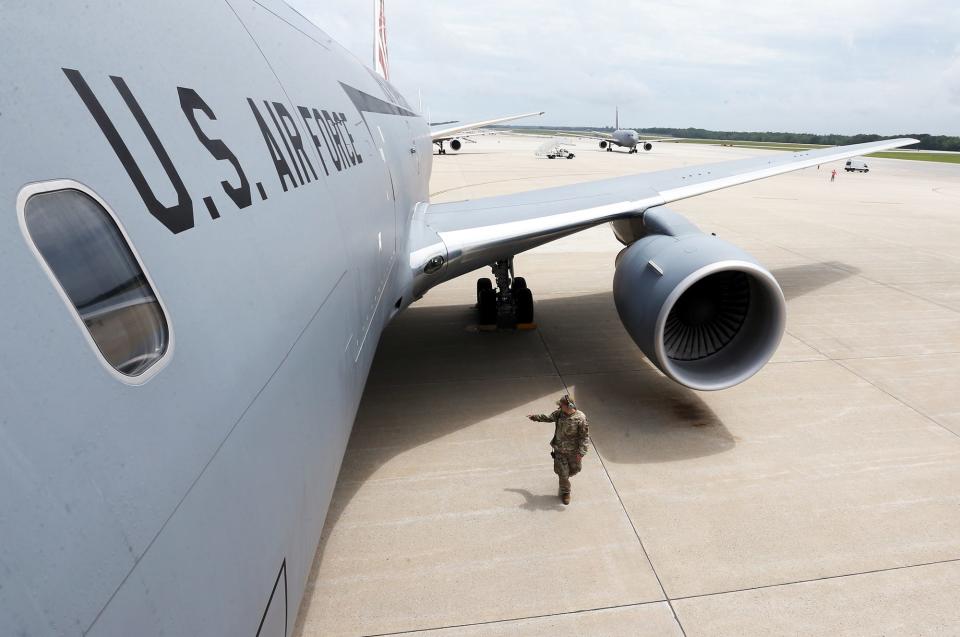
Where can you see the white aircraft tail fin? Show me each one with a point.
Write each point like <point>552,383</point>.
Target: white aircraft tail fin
<point>380,59</point>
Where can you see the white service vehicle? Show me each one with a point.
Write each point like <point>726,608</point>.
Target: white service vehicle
<point>855,165</point>
<point>554,149</point>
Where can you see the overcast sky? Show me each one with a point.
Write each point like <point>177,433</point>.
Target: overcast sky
<point>821,66</point>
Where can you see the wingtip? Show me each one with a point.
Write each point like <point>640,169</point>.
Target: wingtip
<point>899,142</point>
<point>905,141</point>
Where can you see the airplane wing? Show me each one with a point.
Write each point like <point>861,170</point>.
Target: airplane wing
<point>592,135</point>
<point>473,233</point>
<point>443,132</point>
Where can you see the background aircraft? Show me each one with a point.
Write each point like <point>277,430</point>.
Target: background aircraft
<point>442,131</point>
<point>202,239</point>
<point>623,137</point>
<point>445,132</point>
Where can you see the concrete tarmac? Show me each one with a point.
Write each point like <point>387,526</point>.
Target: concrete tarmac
<point>820,497</point>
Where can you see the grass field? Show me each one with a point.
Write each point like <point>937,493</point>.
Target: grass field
<point>730,142</point>
<point>949,158</point>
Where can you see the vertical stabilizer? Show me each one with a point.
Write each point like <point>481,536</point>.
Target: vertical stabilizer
<point>380,59</point>
<point>616,118</point>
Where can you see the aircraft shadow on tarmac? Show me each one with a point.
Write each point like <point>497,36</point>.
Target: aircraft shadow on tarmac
<point>798,280</point>
<point>637,414</point>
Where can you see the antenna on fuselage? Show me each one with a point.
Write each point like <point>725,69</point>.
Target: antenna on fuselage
<point>380,59</point>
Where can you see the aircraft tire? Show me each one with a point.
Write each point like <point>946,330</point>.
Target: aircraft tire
<point>483,284</point>
<point>488,307</point>
<point>519,283</point>
<point>523,298</point>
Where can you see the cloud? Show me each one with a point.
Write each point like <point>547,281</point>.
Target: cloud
<point>819,65</point>
<point>951,79</point>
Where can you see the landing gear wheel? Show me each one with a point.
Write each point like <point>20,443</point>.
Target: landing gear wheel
<point>523,300</point>
<point>483,284</point>
<point>519,283</point>
<point>487,304</point>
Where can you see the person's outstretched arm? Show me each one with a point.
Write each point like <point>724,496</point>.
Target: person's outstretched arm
<point>543,417</point>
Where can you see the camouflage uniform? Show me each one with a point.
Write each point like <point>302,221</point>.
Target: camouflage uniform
<point>570,440</point>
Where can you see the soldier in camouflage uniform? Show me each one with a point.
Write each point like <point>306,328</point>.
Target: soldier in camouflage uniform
<point>570,440</point>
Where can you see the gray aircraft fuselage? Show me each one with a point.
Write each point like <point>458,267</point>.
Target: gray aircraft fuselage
<point>625,138</point>
<point>192,504</point>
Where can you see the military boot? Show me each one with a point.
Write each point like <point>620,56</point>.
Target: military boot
<point>565,498</point>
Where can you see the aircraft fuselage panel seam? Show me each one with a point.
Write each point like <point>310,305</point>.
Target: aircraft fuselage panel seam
<point>216,451</point>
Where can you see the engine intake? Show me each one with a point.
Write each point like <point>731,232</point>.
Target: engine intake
<point>603,144</point>
<point>456,144</point>
<point>647,146</point>
<point>702,310</point>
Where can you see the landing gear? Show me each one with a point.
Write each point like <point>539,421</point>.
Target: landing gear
<point>443,151</point>
<point>486,302</point>
<point>483,285</point>
<point>510,304</point>
<point>523,303</point>
<point>633,150</point>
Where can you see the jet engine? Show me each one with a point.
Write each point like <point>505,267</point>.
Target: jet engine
<point>647,146</point>
<point>603,144</point>
<point>705,312</point>
<point>455,144</point>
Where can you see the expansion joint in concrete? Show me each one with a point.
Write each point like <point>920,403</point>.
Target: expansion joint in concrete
<point>818,579</point>
<point>513,619</point>
<point>623,507</point>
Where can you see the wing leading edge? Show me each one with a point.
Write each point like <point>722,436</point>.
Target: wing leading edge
<point>473,233</point>
<point>442,132</point>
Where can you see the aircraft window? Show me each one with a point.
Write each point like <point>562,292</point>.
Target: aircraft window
<point>98,272</point>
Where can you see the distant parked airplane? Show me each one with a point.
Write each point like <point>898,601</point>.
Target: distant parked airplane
<point>443,132</point>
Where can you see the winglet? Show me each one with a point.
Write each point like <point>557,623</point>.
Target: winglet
<point>380,59</point>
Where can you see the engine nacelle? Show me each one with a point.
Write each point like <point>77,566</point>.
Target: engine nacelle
<point>702,310</point>
<point>603,144</point>
<point>647,146</point>
<point>455,144</point>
